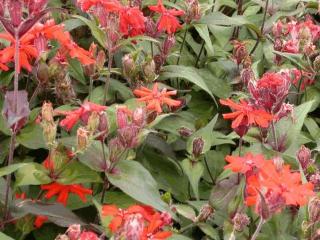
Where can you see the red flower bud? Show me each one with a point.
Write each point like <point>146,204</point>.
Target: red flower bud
<point>15,11</point>
<point>304,157</point>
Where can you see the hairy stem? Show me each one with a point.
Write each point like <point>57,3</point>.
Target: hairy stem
<point>258,229</point>
<point>275,138</point>
<point>107,83</point>
<point>8,182</point>
<point>262,28</point>
<point>208,169</point>
<point>16,69</point>
<point>182,44</point>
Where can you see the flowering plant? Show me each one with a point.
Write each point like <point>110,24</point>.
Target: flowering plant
<point>153,120</point>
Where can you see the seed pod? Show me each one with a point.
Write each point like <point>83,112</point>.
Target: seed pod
<point>129,66</point>
<point>206,212</point>
<point>149,70</point>
<point>49,133</point>
<point>47,112</point>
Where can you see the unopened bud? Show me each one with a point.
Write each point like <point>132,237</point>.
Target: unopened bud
<point>122,118</point>
<point>93,122</point>
<point>82,139</point>
<point>315,180</point>
<point>128,136</point>
<point>314,210</point>
<point>206,212</point>
<point>103,123</point>
<point>42,73</point>
<point>193,11</point>
<point>139,117</point>
<point>198,145</point>
<point>185,132</point>
<point>168,43</point>
<point>304,157</point>
<point>240,221</point>
<point>2,7</point>
<point>88,235</point>
<point>129,65</point>
<point>74,231</point>
<point>133,227</point>
<point>47,112</point>
<point>239,51</point>
<point>35,7</point>
<point>115,150</point>
<point>246,76</point>
<point>149,68</point>
<point>277,29</point>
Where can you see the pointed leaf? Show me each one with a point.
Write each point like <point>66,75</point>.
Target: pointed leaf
<point>194,171</point>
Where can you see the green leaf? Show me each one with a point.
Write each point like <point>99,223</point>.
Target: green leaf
<point>209,230</point>
<point>10,169</point>
<point>76,70</point>
<point>178,237</point>
<point>194,171</point>
<point>186,211</point>
<point>206,133</point>
<point>76,173</point>
<point>188,73</point>
<point>5,237</point>
<point>97,33</point>
<point>203,31</point>
<point>32,137</point>
<point>133,179</point>
<point>72,24</point>
<point>32,174</point>
<point>56,213</point>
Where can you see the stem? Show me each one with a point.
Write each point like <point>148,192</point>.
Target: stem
<point>182,44</point>
<point>207,166</point>
<point>240,145</point>
<point>90,88</point>
<point>152,52</point>
<point>107,83</point>
<point>16,69</point>
<point>262,27</point>
<point>105,180</point>
<point>256,233</point>
<point>35,93</point>
<point>187,227</point>
<point>8,183</point>
<point>274,136</point>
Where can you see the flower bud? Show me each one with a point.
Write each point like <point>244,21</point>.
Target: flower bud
<point>240,221</point>
<point>49,133</point>
<point>132,227</point>
<point>304,157</point>
<point>93,122</point>
<point>277,29</point>
<point>82,139</point>
<point>139,117</point>
<point>88,235</point>
<point>168,43</point>
<point>128,136</point>
<point>103,123</point>
<point>314,210</point>
<point>315,180</point>
<point>35,6</point>
<point>206,212</point>
<point>198,144</point>
<point>122,117</point>
<point>193,11</point>
<point>239,51</point>
<point>100,60</point>
<point>246,76</point>
<point>2,7</point>
<point>42,73</point>
<point>278,163</point>
<point>115,150</point>
<point>15,11</point>
<point>166,218</point>
<point>149,69</point>
<point>129,65</point>
<point>47,112</point>
<point>185,132</point>
<point>74,231</point>
<point>316,63</point>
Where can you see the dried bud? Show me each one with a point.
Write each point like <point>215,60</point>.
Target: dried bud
<point>103,123</point>
<point>129,66</point>
<point>82,139</point>
<point>314,210</point>
<point>206,212</point>
<point>168,43</point>
<point>240,221</point>
<point>47,112</point>
<point>185,132</point>
<point>100,60</point>
<point>315,180</point>
<point>42,73</point>
<point>115,150</point>
<point>239,51</point>
<point>278,163</point>
<point>93,122</point>
<point>139,117</point>
<point>149,69</point>
<point>304,157</point>
<point>74,231</point>
<point>15,11</point>
<point>193,11</point>
<point>151,28</point>
<point>49,133</point>
<point>270,203</point>
<point>246,76</point>
<point>197,149</point>
<point>316,63</point>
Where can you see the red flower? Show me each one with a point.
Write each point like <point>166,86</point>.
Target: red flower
<point>155,99</point>
<point>244,164</point>
<point>27,52</point>
<point>119,215</point>
<point>132,21</point>
<point>168,20</point>
<point>88,235</point>
<point>154,229</point>
<point>39,221</point>
<point>82,113</point>
<point>245,115</point>
<point>63,191</point>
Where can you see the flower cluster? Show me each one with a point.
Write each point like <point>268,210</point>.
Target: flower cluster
<point>268,186</point>
<point>137,222</point>
<point>74,232</point>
